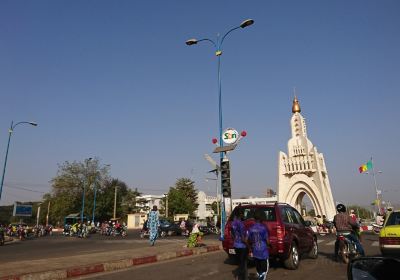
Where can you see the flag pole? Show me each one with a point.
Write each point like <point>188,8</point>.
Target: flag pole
<point>376,187</point>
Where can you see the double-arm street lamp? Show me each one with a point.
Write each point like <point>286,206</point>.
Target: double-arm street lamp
<point>10,131</point>
<point>218,52</point>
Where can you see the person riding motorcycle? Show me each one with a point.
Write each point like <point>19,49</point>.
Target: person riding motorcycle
<point>344,223</point>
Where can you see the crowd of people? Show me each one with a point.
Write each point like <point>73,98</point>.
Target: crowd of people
<point>191,229</point>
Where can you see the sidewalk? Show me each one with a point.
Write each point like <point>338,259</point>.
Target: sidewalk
<point>84,264</point>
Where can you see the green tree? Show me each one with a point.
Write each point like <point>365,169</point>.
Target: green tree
<point>182,198</point>
<point>68,185</point>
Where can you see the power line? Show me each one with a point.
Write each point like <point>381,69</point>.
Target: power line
<point>24,189</point>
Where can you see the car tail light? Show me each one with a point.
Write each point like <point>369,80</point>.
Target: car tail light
<point>280,235</point>
<point>341,237</point>
<point>389,240</point>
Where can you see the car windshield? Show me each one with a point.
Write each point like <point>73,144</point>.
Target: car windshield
<point>249,213</point>
<point>394,219</point>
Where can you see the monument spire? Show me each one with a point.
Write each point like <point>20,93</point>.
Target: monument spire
<point>296,106</point>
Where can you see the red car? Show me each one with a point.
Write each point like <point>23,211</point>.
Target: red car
<point>290,236</point>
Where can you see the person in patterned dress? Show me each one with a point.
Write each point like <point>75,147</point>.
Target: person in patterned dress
<point>153,224</point>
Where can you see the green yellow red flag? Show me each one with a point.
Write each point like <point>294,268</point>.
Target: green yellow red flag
<point>365,167</point>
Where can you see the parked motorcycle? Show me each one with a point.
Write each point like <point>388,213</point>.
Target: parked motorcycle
<point>347,247</point>
<point>119,231</point>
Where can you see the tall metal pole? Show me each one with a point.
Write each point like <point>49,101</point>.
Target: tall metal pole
<point>376,187</point>
<point>115,201</point>
<point>83,201</point>
<point>38,216</point>
<point>48,212</point>
<point>94,200</point>
<point>10,131</point>
<point>84,188</point>
<point>218,53</point>
<point>5,160</point>
<point>166,205</point>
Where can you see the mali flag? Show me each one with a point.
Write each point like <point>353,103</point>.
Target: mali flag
<point>365,167</point>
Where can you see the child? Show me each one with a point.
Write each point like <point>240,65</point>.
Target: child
<point>258,242</point>
<point>239,243</point>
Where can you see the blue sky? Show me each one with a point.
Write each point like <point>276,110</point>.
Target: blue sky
<point>115,80</point>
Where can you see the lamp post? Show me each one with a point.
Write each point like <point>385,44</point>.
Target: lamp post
<point>218,53</point>
<point>10,131</point>
<point>38,216</point>
<point>94,198</point>
<point>95,190</point>
<point>166,205</point>
<point>84,187</point>
<point>377,192</point>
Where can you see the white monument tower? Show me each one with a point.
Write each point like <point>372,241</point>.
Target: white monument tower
<point>303,170</point>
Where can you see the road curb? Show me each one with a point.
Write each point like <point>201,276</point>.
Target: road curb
<point>72,272</point>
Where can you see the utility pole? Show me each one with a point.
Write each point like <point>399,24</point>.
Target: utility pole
<point>166,205</point>
<point>48,211</point>
<point>37,216</point>
<point>115,201</point>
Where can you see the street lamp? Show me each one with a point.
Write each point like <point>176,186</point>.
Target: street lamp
<point>10,131</point>
<point>84,187</point>
<point>95,191</point>
<point>218,53</point>
<point>373,173</point>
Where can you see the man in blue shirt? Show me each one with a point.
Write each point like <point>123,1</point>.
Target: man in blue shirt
<point>239,243</point>
<point>258,241</point>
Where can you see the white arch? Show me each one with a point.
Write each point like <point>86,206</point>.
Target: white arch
<point>299,185</point>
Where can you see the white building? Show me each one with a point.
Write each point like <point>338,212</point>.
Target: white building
<point>149,200</point>
<point>204,210</point>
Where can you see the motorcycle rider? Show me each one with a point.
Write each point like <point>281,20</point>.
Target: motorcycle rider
<point>344,223</point>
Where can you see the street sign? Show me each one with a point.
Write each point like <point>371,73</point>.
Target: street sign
<point>230,136</point>
<point>22,210</point>
<point>225,148</point>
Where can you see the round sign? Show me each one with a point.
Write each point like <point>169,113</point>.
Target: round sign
<point>230,136</point>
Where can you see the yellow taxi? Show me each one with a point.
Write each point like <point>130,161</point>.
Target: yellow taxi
<point>389,236</point>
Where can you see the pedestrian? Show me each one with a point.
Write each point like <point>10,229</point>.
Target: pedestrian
<point>354,218</point>
<point>195,237</point>
<point>258,242</point>
<point>239,235</point>
<point>153,224</point>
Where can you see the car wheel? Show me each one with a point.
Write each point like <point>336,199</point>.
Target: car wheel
<point>163,234</point>
<point>313,254</point>
<point>292,262</point>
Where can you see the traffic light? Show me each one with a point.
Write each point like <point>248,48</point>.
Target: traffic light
<point>225,178</point>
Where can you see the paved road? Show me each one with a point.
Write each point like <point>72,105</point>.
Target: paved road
<point>61,246</point>
<point>215,266</point>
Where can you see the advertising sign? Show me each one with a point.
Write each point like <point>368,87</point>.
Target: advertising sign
<point>230,136</point>
<point>22,210</point>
